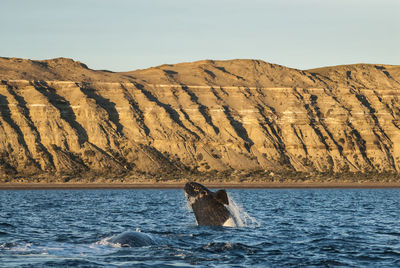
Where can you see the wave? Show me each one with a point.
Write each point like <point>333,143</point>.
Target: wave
<point>6,225</point>
<point>3,233</point>
<point>20,247</point>
<point>218,247</point>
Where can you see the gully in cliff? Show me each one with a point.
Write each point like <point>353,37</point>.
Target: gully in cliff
<point>209,208</point>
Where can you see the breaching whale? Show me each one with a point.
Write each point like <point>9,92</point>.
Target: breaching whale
<point>209,208</point>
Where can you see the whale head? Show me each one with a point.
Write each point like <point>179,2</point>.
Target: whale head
<point>208,207</point>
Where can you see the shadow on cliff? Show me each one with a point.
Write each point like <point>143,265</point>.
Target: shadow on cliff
<point>172,113</point>
<point>6,115</point>
<point>106,104</point>
<point>64,108</point>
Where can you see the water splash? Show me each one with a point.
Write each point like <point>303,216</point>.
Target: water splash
<point>239,216</point>
<point>106,242</point>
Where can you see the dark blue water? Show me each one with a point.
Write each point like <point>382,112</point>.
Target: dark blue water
<point>289,228</point>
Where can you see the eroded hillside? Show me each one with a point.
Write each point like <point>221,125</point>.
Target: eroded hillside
<point>60,116</point>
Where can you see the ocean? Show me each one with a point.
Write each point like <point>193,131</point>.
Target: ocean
<point>275,228</point>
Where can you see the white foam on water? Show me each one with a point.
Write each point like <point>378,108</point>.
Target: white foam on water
<point>23,247</point>
<point>106,242</point>
<point>240,217</point>
<point>51,249</point>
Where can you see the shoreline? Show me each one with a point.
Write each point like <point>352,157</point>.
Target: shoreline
<point>121,186</point>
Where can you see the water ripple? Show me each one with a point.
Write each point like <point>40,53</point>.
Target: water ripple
<point>290,228</point>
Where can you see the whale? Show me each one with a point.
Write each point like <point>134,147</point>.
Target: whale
<point>132,239</point>
<point>209,208</point>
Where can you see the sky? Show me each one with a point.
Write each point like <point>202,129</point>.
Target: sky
<point>123,35</point>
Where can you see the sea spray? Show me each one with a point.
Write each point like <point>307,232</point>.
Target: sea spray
<point>239,216</point>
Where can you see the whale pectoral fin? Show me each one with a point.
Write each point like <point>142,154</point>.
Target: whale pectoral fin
<point>222,197</point>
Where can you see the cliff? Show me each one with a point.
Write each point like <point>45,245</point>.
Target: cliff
<point>60,117</point>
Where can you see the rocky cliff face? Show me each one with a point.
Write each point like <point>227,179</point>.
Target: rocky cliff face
<point>59,116</point>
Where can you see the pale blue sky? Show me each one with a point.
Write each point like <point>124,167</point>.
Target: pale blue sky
<point>122,35</point>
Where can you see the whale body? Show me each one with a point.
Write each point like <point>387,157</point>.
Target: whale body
<point>208,207</point>
<point>132,239</point>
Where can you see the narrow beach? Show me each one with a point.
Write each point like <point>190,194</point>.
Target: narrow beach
<point>76,186</point>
